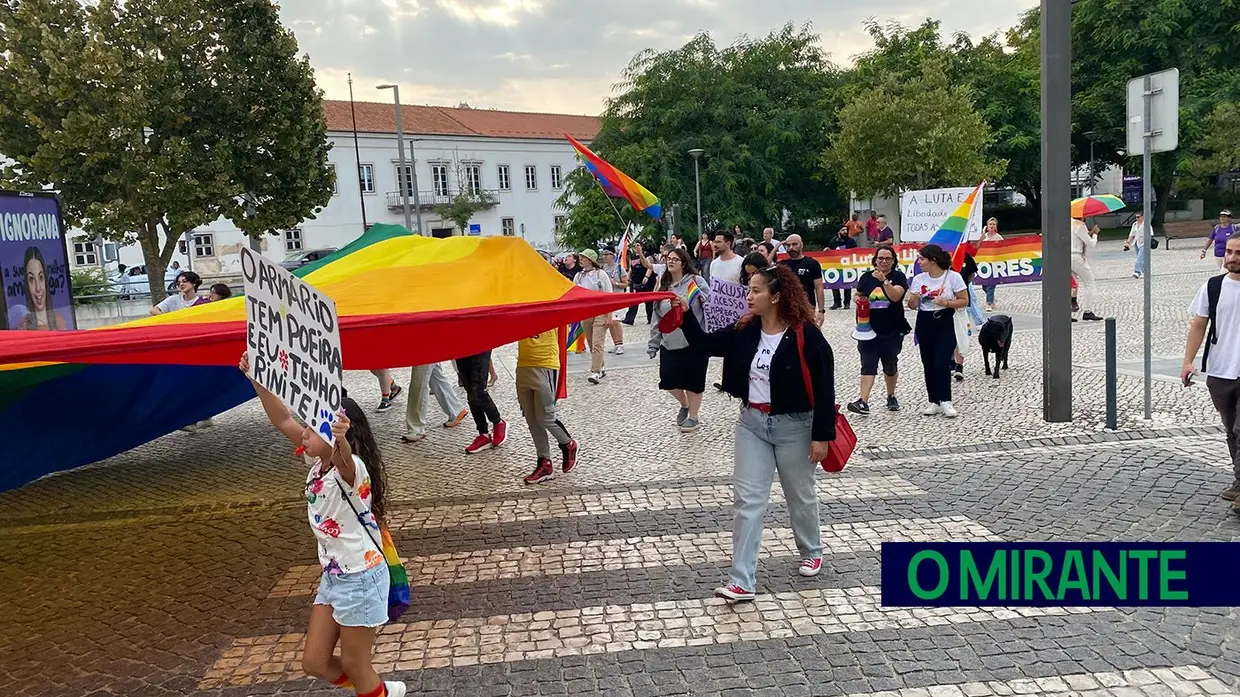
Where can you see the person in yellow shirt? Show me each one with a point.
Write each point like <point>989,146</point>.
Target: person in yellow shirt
<point>538,382</point>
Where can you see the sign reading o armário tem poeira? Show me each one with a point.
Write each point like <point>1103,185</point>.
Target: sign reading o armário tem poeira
<point>293,341</point>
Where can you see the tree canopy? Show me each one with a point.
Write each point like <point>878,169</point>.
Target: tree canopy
<point>154,117</point>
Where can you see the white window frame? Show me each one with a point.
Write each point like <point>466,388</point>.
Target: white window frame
<point>558,223</point>
<point>366,177</point>
<point>335,179</point>
<point>504,172</point>
<point>473,177</point>
<point>439,178</point>
<point>294,241</point>
<point>204,244</point>
<point>508,227</point>
<point>403,181</point>
<point>531,177</point>
<point>557,180</point>
<point>85,253</point>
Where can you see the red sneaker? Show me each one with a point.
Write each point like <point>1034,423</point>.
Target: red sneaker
<point>482,442</point>
<point>570,456</point>
<point>544,471</point>
<point>499,433</point>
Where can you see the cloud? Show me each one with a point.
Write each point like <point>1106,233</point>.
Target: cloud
<point>565,55</point>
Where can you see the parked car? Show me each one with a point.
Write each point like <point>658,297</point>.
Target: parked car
<point>134,281</point>
<point>297,260</point>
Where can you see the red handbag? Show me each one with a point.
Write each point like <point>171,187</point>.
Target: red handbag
<point>845,438</point>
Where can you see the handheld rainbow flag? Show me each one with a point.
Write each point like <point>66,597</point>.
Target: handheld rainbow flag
<point>617,184</point>
<point>576,341</point>
<point>954,232</point>
<point>692,292</point>
<point>622,249</point>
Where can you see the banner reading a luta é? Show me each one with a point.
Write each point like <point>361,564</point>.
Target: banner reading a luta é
<point>1011,260</point>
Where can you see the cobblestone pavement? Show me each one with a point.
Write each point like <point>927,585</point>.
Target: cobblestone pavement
<point>183,567</point>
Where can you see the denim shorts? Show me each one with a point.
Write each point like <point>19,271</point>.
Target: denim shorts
<point>358,599</point>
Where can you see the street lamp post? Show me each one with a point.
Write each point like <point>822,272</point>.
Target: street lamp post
<point>697,184</point>
<point>400,146</point>
<point>1056,219</point>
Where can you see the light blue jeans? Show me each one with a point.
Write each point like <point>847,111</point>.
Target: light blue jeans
<point>765,445</point>
<point>1139,267</point>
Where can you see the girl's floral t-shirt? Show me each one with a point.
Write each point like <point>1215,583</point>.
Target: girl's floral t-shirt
<point>344,536</point>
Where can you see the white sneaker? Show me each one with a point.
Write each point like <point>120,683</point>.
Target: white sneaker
<point>595,377</point>
<point>932,410</point>
<point>395,688</point>
<point>949,411</point>
<point>620,350</point>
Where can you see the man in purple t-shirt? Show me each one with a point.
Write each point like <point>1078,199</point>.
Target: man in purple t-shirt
<point>1219,236</point>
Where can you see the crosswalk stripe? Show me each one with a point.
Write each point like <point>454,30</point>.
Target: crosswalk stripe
<point>1182,681</point>
<point>588,556</point>
<point>565,505</point>
<point>608,629</point>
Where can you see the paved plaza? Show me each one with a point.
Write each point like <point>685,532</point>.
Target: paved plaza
<point>185,568</point>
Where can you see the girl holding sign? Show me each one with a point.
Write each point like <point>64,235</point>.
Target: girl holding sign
<point>344,504</point>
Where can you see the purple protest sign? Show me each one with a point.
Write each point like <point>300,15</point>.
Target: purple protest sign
<point>34,264</point>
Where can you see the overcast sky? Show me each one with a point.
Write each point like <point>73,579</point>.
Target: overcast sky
<point>565,55</point>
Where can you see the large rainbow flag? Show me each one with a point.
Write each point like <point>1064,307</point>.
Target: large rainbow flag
<point>77,397</point>
<point>617,184</point>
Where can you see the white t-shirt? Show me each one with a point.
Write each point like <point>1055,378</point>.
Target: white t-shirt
<point>1225,355</point>
<point>172,303</point>
<point>727,270</point>
<point>760,368</point>
<point>930,288</point>
<point>344,545</point>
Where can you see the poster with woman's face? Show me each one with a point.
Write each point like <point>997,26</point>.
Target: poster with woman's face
<point>34,267</point>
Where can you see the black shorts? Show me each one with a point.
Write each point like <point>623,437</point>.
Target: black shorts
<point>683,369</point>
<point>880,348</point>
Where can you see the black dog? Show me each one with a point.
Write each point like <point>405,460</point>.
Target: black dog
<point>995,337</point>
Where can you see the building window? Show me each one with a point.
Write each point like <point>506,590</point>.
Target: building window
<point>335,180</point>
<point>507,227</point>
<point>366,175</point>
<point>292,240</point>
<point>473,177</point>
<point>204,244</point>
<point>85,254</point>
<point>505,183</point>
<point>560,222</point>
<point>556,183</point>
<point>531,177</point>
<point>404,179</point>
<point>439,177</point>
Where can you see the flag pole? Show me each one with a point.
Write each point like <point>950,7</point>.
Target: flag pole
<point>609,200</point>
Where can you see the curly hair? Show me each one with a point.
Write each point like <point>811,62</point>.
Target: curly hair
<point>793,307</point>
<point>362,441</point>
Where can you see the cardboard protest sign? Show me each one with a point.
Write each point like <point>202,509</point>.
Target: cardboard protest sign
<point>726,304</point>
<point>293,342</point>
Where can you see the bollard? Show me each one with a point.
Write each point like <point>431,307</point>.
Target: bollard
<point>1112,418</point>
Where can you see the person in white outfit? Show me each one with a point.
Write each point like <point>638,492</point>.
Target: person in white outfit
<point>1083,239</point>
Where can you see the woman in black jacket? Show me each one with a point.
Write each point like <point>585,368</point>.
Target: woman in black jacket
<point>777,362</point>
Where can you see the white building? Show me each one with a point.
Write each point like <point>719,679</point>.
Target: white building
<point>521,159</point>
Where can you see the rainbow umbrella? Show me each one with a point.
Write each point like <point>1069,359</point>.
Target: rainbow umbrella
<point>1096,205</point>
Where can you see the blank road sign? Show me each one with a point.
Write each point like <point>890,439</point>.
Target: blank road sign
<point>1164,112</point>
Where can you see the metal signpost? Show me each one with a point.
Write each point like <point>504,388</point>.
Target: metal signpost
<point>1153,126</point>
<point>1056,205</point>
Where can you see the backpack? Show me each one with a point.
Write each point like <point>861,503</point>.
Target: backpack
<point>1214,288</point>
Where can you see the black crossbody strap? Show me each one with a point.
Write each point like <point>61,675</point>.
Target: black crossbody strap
<point>356,515</point>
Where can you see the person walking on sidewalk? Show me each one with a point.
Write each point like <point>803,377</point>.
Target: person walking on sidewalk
<point>424,381</point>
<point>937,293</point>
<point>881,326</point>
<point>776,360</point>
<point>540,361</point>
<point>389,390</point>
<point>1136,238</point>
<point>1219,234</point>
<point>474,372</point>
<point>591,277</point>
<point>1216,323</point>
<point>682,368</point>
<point>1084,239</point>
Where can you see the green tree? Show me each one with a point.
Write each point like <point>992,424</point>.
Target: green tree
<point>464,206</point>
<point>761,110</point>
<point>154,117</point>
<point>1116,41</point>
<point>590,218</point>
<point>1221,140</point>
<point>912,134</point>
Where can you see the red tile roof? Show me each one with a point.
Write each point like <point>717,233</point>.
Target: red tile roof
<point>436,120</point>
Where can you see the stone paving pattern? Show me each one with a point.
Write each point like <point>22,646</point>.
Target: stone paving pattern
<point>164,571</point>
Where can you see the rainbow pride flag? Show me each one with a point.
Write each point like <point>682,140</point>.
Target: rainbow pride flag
<point>692,292</point>
<point>617,184</point>
<point>954,232</point>
<point>576,341</point>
